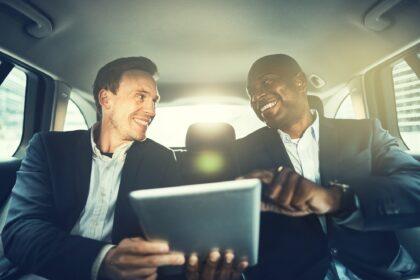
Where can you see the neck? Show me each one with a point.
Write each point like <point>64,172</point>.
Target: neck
<point>296,129</point>
<point>108,139</point>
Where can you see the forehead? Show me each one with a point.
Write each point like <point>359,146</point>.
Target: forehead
<point>282,69</point>
<point>137,79</point>
<point>257,79</point>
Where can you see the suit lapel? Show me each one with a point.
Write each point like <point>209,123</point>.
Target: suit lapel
<point>82,169</point>
<point>275,150</point>
<point>329,151</point>
<point>125,221</point>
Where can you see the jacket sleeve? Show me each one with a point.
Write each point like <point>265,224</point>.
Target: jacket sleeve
<point>390,198</point>
<point>32,239</point>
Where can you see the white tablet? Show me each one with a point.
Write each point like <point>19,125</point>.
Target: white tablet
<point>202,217</point>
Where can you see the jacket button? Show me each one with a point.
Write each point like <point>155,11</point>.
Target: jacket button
<point>334,252</point>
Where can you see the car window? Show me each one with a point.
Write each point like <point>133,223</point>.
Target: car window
<point>407,98</point>
<point>171,122</point>
<point>12,104</point>
<point>74,118</point>
<point>346,109</point>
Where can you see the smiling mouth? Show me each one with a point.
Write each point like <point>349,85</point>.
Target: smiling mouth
<point>268,106</point>
<point>142,122</point>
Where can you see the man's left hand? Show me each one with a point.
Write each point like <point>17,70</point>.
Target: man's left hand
<point>286,192</point>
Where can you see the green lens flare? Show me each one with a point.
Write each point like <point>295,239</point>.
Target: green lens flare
<point>209,162</point>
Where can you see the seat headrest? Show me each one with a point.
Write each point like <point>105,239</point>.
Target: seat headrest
<point>316,103</point>
<point>209,136</point>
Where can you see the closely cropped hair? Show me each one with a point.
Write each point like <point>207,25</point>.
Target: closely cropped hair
<point>109,75</point>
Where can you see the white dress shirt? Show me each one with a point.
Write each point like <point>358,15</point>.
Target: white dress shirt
<point>304,155</point>
<point>97,218</point>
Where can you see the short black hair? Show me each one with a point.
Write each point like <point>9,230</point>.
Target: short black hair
<point>110,74</point>
<point>280,64</point>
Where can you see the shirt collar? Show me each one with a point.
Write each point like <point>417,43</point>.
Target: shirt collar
<point>313,129</point>
<point>119,152</point>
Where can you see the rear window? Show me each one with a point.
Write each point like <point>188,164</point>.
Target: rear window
<point>12,105</point>
<point>346,109</point>
<point>74,118</point>
<point>407,98</point>
<point>171,122</point>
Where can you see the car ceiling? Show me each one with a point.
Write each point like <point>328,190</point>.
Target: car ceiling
<point>207,47</point>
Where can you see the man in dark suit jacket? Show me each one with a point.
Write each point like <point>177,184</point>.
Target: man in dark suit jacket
<point>70,201</point>
<point>343,186</point>
<point>69,215</point>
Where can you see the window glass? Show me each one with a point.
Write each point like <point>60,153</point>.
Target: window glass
<point>171,122</point>
<point>12,103</point>
<point>74,118</point>
<point>346,109</point>
<point>407,97</point>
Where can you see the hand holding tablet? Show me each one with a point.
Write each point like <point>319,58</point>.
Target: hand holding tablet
<point>198,219</point>
<point>216,267</point>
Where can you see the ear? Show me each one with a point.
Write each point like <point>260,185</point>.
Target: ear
<point>300,82</point>
<point>104,99</point>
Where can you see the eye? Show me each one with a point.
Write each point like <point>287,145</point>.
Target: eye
<point>140,96</point>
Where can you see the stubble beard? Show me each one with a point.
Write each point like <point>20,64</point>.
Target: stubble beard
<point>125,136</point>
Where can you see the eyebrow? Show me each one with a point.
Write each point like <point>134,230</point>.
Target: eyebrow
<point>147,91</point>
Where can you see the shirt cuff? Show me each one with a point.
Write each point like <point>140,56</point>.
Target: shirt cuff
<point>98,261</point>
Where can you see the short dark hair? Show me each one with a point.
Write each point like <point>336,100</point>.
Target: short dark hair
<point>280,64</point>
<point>110,74</point>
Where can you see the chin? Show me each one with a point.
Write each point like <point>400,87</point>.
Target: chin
<point>137,133</point>
<point>139,137</point>
<point>271,124</point>
<point>277,123</point>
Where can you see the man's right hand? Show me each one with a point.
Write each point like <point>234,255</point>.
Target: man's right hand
<point>286,192</point>
<point>136,258</point>
<point>215,267</point>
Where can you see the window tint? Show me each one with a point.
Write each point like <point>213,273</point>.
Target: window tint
<point>407,97</point>
<point>12,103</point>
<point>346,109</point>
<point>74,118</point>
<point>171,122</point>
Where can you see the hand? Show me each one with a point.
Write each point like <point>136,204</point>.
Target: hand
<point>215,267</point>
<point>286,192</point>
<point>136,258</point>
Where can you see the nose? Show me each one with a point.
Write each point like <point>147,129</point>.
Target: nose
<point>149,109</point>
<point>257,96</point>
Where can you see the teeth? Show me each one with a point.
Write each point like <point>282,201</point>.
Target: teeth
<point>268,106</point>
<point>141,122</point>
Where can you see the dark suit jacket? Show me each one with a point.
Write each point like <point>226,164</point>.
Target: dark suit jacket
<point>386,181</point>
<point>51,191</point>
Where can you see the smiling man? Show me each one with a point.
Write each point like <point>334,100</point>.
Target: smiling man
<point>70,216</point>
<point>334,189</point>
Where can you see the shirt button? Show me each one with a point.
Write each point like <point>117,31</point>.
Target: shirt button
<point>334,252</point>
